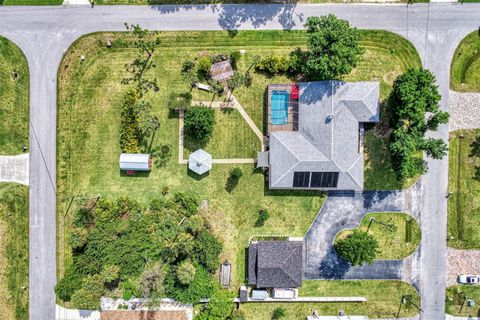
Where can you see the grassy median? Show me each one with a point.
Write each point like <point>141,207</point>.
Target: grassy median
<point>465,68</point>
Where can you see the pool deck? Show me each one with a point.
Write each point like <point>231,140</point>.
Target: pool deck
<point>292,120</point>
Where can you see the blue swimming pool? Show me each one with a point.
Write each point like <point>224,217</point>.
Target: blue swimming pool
<point>279,107</point>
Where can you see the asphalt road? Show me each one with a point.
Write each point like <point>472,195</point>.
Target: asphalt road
<point>45,33</point>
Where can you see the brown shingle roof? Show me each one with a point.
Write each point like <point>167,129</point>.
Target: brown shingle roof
<point>221,71</point>
<point>143,315</point>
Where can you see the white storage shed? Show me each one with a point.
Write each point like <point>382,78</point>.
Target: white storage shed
<point>135,162</point>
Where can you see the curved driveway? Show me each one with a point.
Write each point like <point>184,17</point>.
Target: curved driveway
<point>45,33</point>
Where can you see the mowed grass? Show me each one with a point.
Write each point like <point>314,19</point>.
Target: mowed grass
<point>465,68</point>
<point>383,300</point>
<point>14,98</point>
<point>231,138</point>
<point>464,184</point>
<point>13,252</point>
<point>456,296</point>
<point>397,233</point>
<point>88,148</point>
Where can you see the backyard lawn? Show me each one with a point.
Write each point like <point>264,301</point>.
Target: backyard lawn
<point>464,184</point>
<point>383,300</point>
<point>398,234</point>
<point>13,252</point>
<point>465,68</point>
<point>14,98</point>
<point>458,295</point>
<point>89,102</point>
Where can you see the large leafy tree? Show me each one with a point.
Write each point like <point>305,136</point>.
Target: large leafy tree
<point>358,248</point>
<point>199,122</point>
<point>333,48</point>
<point>413,110</point>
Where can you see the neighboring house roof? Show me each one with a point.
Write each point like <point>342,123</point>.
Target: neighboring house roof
<point>144,315</point>
<point>221,71</point>
<point>330,116</point>
<point>135,161</point>
<point>275,264</point>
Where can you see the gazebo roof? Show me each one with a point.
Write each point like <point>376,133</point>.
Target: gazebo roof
<point>200,161</point>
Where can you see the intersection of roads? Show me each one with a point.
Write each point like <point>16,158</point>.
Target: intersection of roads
<point>45,33</point>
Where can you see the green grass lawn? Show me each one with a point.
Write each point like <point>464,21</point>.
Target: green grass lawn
<point>14,88</point>
<point>88,125</point>
<point>14,252</point>
<point>398,234</point>
<point>455,298</point>
<point>465,68</point>
<point>383,300</point>
<point>464,183</point>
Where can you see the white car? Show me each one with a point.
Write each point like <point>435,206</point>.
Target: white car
<point>468,279</point>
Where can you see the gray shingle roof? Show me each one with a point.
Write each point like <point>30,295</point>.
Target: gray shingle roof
<point>276,264</point>
<point>330,116</point>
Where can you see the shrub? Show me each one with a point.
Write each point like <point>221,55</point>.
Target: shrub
<point>71,282</point>
<point>130,132</point>
<point>82,218</point>
<point>200,288</point>
<point>273,64</point>
<point>110,274</point>
<point>187,203</point>
<point>151,280</point>
<point>236,81</point>
<point>199,122</point>
<point>189,73</point>
<point>88,296</point>
<point>204,65</point>
<point>207,250</point>
<point>234,57</point>
<point>358,248</point>
<point>237,315</point>
<point>232,181</point>
<point>78,238</point>
<point>185,272</point>
<point>219,307</point>
<point>278,313</point>
<point>263,216</point>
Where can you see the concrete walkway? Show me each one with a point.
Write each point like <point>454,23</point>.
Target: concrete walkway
<point>14,169</point>
<point>62,313</point>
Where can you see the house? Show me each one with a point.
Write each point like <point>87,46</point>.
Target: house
<point>221,71</point>
<point>135,162</point>
<point>275,264</point>
<point>316,133</point>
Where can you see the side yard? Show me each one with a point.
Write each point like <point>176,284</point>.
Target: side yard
<point>464,185</point>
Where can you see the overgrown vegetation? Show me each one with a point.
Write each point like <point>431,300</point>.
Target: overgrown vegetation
<point>465,68</point>
<point>398,234</point>
<point>14,95</point>
<point>14,251</point>
<point>358,248</point>
<point>124,248</point>
<point>456,302</point>
<point>414,95</point>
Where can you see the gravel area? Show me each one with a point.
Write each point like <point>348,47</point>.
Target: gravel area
<point>461,262</point>
<point>464,110</point>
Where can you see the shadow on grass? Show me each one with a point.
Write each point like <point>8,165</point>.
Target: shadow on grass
<point>137,174</point>
<point>196,176</point>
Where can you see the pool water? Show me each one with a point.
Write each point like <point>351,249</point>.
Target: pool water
<point>279,107</point>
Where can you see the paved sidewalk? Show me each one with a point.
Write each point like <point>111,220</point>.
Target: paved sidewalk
<point>14,169</point>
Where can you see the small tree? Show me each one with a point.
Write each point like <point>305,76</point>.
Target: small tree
<point>263,216</point>
<point>199,122</point>
<point>204,65</point>
<point>207,250</point>
<point>232,181</point>
<point>333,48</point>
<point>358,248</point>
<point>185,272</point>
<point>278,313</point>
<point>88,296</point>
<point>220,306</point>
<point>236,81</point>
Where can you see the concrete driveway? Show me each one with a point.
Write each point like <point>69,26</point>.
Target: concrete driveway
<point>344,210</point>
